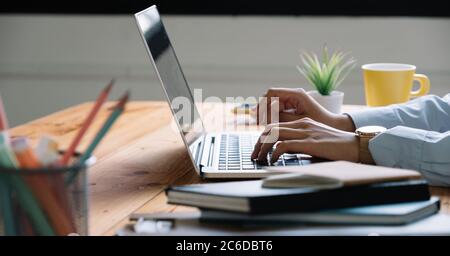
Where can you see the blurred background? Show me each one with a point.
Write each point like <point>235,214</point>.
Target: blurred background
<point>54,54</point>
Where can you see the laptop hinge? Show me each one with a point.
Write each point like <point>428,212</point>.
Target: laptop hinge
<point>200,147</point>
<point>207,151</point>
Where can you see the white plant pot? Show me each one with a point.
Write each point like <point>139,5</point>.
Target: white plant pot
<point>332,102</point>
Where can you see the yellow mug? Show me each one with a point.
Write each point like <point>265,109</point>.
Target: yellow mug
<point>390,83</point>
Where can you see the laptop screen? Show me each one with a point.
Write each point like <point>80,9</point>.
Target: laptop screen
<point>169,71</point>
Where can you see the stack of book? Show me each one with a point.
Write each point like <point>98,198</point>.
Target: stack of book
<point>326,193</point>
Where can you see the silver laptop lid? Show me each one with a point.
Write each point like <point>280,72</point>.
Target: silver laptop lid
<point>172,79</point>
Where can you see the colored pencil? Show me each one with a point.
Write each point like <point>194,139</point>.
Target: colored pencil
<point>24,227</point>
<point>31,207</point>
<point>41,188</point>
<point>117,110</point>
<point>25,197</point>
<point>3,119</point>
<point>5,188</point>
<point>47,153</point>
<point>87,122</point>
<point>7,212</point>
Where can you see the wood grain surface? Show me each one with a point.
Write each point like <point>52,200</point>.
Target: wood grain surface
<point>138,158</point>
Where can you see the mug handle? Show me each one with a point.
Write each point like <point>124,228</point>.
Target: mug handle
<point>424,85</point>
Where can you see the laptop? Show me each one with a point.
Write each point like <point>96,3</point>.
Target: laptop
<point>215,155</point>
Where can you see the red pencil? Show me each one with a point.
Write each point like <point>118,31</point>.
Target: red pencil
<point>98,103</point>
<point>3,120</point>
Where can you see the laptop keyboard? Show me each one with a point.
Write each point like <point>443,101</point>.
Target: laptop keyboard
<point>236,149</point>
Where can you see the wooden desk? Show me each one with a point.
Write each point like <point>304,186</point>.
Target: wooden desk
<point>137,159</point>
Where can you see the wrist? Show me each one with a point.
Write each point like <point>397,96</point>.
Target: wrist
<point>342,122</point>
<point>364,155</point>
<point>365,134</point>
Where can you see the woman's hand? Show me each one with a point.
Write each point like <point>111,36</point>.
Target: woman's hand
<point>294,104</point>
<point>308,137</point>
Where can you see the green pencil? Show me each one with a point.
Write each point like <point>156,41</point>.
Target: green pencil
<point>118,109</point>
<point>7,213</point>
<point>9,223</point>
<point>24,195</point>
<point>6,208</point>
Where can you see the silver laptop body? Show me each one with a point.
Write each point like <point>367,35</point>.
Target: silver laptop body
<point>214,155</point>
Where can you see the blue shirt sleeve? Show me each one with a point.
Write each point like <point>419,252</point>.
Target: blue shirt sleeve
<point>416,149</point>
<point>429,112</point>
<point>418,136</point>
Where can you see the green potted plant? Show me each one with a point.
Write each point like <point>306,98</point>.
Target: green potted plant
<point>326,75</point>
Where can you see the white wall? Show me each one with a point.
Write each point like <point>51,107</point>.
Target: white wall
<point>51,62</point>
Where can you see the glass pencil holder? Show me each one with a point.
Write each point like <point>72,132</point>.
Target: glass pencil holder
<point>50,201</point>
